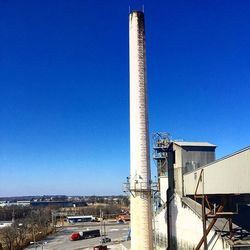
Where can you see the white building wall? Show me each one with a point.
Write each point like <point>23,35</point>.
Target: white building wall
<point>163,188</point>
<point>5,224</point>
<point>186,229</point>
<point>178,169</point>
<point>160,223</point>
<point>229,175</point>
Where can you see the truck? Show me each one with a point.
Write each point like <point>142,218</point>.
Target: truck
<point>85,234</point>
<point>123,217</point>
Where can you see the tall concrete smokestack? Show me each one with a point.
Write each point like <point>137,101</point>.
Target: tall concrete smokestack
<point>140,180</point>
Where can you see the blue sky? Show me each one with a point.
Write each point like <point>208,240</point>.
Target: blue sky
<point>64,104</point>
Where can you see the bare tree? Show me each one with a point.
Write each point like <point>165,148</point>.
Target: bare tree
<point>22,229</point>
<point>43,220</point>
<point>8,237</point>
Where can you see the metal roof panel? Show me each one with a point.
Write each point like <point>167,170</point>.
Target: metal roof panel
<point>193,144</point>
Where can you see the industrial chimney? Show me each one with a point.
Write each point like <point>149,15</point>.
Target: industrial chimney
<point>140,180</point>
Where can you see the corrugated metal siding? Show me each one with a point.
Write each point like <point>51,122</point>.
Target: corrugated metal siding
<point>228,176</point>
<point>196,157</point>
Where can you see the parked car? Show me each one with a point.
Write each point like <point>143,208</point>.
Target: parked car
<point>120,221</point>
<point>105,240</point>
<point>100,247</point>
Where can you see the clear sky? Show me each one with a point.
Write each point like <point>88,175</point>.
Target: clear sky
<point>64,103</point>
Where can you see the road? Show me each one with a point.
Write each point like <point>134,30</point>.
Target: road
<point>60,240</point>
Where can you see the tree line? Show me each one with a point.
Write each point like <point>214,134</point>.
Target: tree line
<point>32,227</point>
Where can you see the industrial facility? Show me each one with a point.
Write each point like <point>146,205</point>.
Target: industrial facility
<point>203,203</point>
<point>198,202</point>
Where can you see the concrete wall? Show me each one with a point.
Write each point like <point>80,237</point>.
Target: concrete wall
<point>160,218</point>
<point>186,229</point>
<point>177,166</point>
<point>163,188</point>
<point>160,236</point>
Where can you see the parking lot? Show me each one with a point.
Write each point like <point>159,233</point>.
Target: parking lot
<point>60,240</point>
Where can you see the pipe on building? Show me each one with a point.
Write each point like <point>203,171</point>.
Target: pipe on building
<point>168,219</point>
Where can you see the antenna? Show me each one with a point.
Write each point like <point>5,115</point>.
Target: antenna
<point>143,8</point>
<point>129,9</point>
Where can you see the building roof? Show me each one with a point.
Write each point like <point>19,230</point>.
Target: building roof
<point>193,144</point>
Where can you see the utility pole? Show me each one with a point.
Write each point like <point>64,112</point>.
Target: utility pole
<point>101,224</point>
